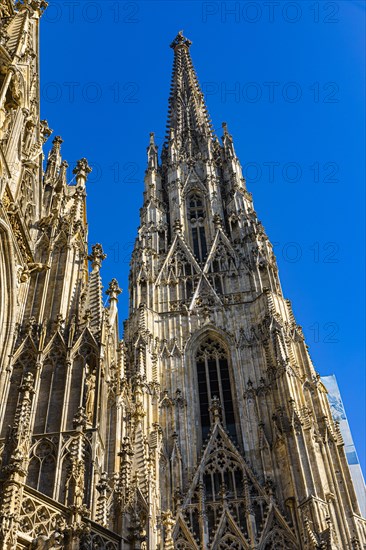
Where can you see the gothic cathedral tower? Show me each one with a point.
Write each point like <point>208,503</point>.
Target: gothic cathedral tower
<point>207,427</point>
<point>249,456</point>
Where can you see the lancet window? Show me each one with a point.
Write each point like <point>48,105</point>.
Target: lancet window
<point>196,220</point>
<point>42,467</point>
<point>214,382</point>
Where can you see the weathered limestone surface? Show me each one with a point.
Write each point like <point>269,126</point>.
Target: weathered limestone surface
<point>207,427</point>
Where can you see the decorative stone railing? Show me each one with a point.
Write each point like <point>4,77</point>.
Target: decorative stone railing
<point>43,517</point>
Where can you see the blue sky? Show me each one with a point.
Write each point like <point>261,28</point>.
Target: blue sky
<point>288,78</point>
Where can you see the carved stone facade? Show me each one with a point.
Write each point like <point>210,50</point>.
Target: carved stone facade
<point>207,427</point>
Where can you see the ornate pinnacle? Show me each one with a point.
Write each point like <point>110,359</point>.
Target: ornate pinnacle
<point>81,171</point>
<point>180,40</point>
<point>168,522</point>
<point>113,290</point>
<point>27,384</point>
<point>102,485</point>
<point>34,5</point>
<point>58,141</point>
<point>152,153</point>
<point>63,171</point>
<point>97,256</point>
<point>103,489</point>
<point>227,138</point>
<point>54,157</point>
<point>4,36</point>
<point>80,419</point>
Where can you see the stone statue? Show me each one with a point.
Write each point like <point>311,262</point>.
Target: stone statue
<point>90,397</point>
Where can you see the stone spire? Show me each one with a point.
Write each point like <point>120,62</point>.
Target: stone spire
<point>113,292</point>
<point>188,120</point>
<point>94,302</point>
<point>53,161</point>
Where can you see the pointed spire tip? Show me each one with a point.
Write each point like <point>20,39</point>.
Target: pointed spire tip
<point>180,40</point>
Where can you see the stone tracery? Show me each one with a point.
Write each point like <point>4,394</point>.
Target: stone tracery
<point>207,427</point>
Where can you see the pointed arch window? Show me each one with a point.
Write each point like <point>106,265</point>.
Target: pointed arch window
<point>42,468</point>
<point>196,220</point>
<point>214,382</point>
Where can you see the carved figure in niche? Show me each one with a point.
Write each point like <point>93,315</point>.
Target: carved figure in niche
<point>16,90</point>
<point>79,492</point>
<point>7,118</point>
<point>26,198</point>
<point>90,396</point>
<point>30,125</point>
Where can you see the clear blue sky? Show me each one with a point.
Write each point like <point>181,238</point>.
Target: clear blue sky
<point>288,78</point>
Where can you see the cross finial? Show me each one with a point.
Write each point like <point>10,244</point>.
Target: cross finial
<point>58,141</point>
<point>180,40</point>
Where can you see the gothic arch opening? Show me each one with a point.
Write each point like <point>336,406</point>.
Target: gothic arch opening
<point>51,393</point>
<point>57,273</point>
<point>82,389</point>
<point>214,383</point>
<point>63,485</point>
<point>42,468</point>
<point>111,430</point>
<point>197,225</point>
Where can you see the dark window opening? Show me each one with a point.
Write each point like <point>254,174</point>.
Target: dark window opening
<point>196,218</point>
<point>214,382</point>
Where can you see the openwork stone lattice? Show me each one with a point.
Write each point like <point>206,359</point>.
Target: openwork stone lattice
<point>229,542</point>
<point>99,542</point>
<point>183,545</point>
<point>37,518</point>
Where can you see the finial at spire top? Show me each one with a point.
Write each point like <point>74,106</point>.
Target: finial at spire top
<point>180,40</point>
<point>81,171</point>
<point>58,141</point>
<point>96,257</point>
<point>113,290</point>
